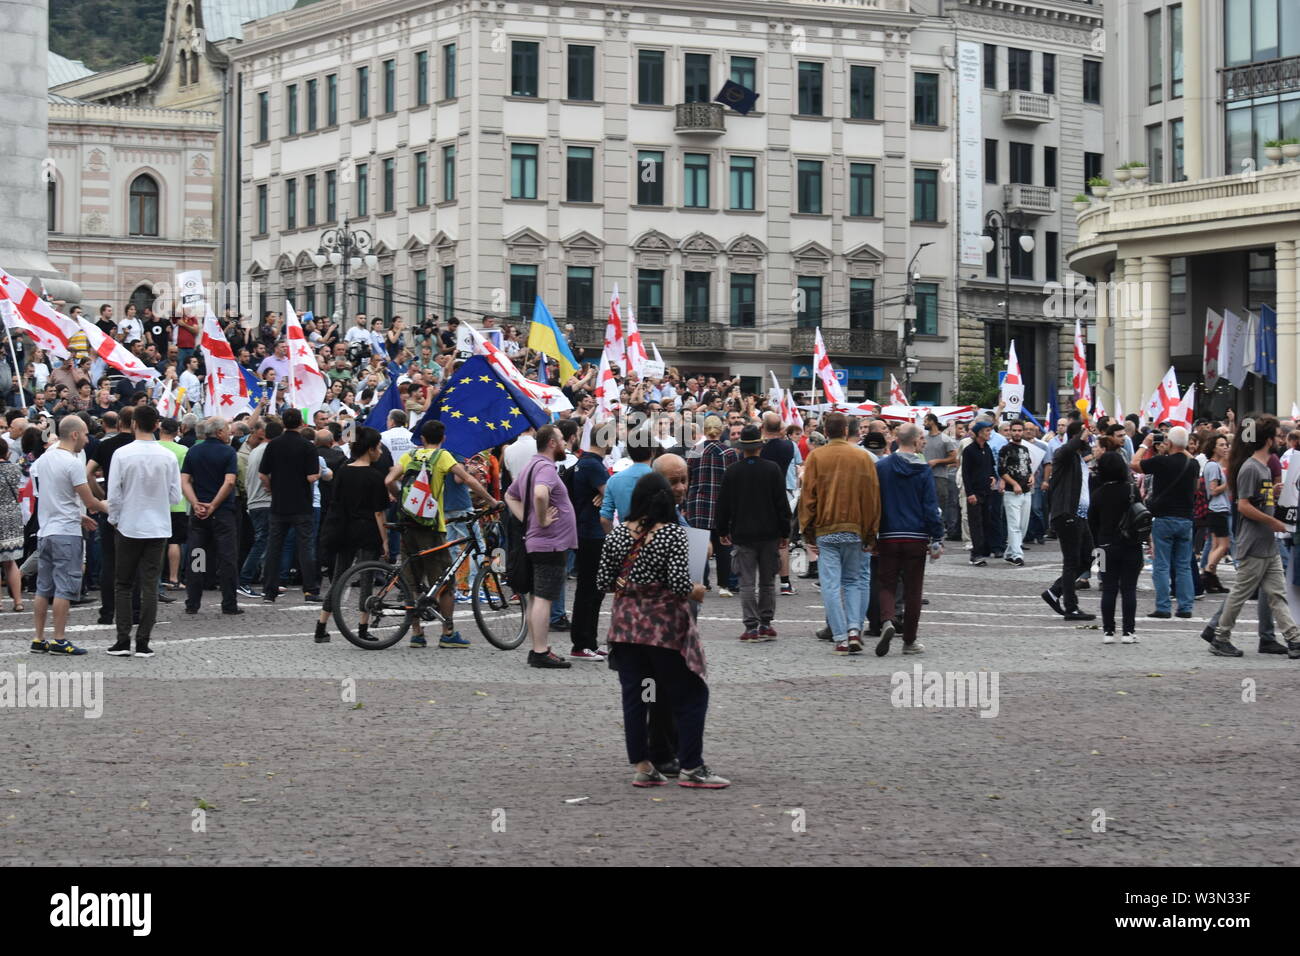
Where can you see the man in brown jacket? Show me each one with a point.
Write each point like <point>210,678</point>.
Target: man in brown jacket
<point>839,511</point>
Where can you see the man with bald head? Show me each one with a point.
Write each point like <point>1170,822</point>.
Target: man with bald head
<point>589,478</point>
<point>673,468</point>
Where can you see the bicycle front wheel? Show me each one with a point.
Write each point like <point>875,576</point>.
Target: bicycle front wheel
<point>501,618</point>
<point>373,606</point>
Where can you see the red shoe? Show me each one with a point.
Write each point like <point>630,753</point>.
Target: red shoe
<point>767,632</point>
<point>749,636</point>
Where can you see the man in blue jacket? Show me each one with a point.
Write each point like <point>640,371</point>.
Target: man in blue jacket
<point>911,524</point>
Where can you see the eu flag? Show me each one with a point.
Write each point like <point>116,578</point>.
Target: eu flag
<point>483,409</point>
<point>256,389</point>
<point>739,98</point>
<point>1266,344</point>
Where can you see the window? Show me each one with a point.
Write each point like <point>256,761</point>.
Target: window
<point>1022,163</point>
<point>291,295</point>
<point>1091,167</point>
<point>650,77</point>
<point>421,295</point>
<point>312,121</point>
<point>422,179</point>
<point>862,295</point>
<point>449,71</point>
<point>331,299</point>
<point>448,289</point>
<point>862,92</point>
<point>580,173</point>
<point>1155,153</point>
<point>310,186</point>
<point>263,117</point>
<point>926,295</point>
<point>309,299</point>
<point>1155,68</point>
<point>359,296</point>
<point>925,99</point>
<point>650,179</point>
<point>580,293</point>
<point>363,189</point>
<point>1260,30</point>
<point>991,258</point>
<point>1022,262</point>
<point>422,78</point>
<point>390,185</point>
<point>1175,52</point>
<point>331,196</point>
<point>1052,254</point>
<point>696,87</point>
<point>523,291</point>
<point>810,186</point>
<point>862,189</point>
<point>390,86</point>
<point>1049,166</point>
<point>1049,72</point>
<point>925,195</point>
<point>743,178</point>
<point>650,296</point>
<point>990,160</point>
<point>695,170</point>
<point>291,204</point>
<point>990,67</point>
<point>523,68</point>
<point>695,287</point>
<point>291,109</point>
<point>363,92</point>
<point>332,100</point>
<point>744,296</point>
<point>1092,81</point>
<point>262,227</point>
<point>582,72</point>
<point>810,301</point>
<point>448,173</point>
<point>1176,173</point>
<point>810,89</point>
<point>523,171</point>
<point>744,70</point>
<point>387,285</point>
<point>51,206</point>
<point>1018,69</point>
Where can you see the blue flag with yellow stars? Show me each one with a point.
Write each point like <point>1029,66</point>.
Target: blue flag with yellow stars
<point>483,409</point>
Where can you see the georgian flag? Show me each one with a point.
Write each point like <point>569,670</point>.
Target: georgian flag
<point>826,371</point>
<point>114,353</point>
<point>896,396</point>
<point>166,402</point>
<point>615,346</point>
<point>789,414</point>
<point>607,403</point>
<point>1013,386</point>
<point>548,397</point>
<point>419,501</point>
<point>307,386</point>
<point>227,393</point>
<point>1211,356</point>
<point>23,309</point>
<point>636,353</point>
<point>1082,388</point>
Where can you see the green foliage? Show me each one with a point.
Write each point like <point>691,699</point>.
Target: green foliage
<point>977,383</point>
<point>106,34</point>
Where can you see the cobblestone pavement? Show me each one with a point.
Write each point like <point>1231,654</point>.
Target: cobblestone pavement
<point>470,756</point>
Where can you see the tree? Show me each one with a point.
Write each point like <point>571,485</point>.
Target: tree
<point>977,383</point>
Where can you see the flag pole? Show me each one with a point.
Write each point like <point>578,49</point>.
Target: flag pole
<point>18,374</point>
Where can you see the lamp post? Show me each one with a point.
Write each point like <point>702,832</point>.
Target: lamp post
<point>1001,221</point>
<point>345,248</point>
<point>911,364</point>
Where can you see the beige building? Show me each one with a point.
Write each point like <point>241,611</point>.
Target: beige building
<point>1212,220</point>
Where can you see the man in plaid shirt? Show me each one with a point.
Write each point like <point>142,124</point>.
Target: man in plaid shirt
<point>707,463</point>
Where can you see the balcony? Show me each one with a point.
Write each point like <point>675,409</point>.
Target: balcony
<point>704,118</point>
<point>1029,200</point>
<point>1266,78</point>
<point>701,337</point>
<point>1019,106</point>
<point>858,342</point>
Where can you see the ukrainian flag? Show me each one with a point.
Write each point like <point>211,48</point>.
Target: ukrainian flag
<point>545,336</point>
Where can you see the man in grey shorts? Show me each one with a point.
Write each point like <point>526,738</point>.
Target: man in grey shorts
<point>63,495</point>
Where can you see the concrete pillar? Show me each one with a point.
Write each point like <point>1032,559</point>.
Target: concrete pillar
<point>1119,330</point>
<point>1288,327</point>
<point>1194,100</point>
<point>1155,321</point>
<point>1105,378</point>
<point>1134,332</point>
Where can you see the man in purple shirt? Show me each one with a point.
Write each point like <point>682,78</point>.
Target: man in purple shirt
<point>279,361</point>
<point>539,501</point>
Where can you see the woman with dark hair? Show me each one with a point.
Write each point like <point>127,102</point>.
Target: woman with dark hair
<point>1220,505</point>
<point>645,561</point>
<point>354,524</point>
<point>11,524</point>
<point>1112,493</point>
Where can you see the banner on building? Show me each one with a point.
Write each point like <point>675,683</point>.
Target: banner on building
<point>970,152</point>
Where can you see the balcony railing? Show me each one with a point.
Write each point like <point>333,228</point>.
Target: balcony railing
<point>863,342</point>
<point>1019,106</point>
<point>697,336</point>
<point>1266,78</point>
<point>1030,200</point>
<point>700,118</point>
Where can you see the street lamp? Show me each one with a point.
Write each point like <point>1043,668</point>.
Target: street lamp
<point>348,249</point>
<point>911,364</point>
<point>1001,221</point>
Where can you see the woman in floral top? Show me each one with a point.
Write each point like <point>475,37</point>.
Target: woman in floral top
<point>653,641</point>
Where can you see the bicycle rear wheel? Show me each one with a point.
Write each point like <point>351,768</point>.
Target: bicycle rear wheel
<point>502,620</point>
<point>382,597</point>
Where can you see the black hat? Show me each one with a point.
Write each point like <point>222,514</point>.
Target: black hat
<point>750,437</point>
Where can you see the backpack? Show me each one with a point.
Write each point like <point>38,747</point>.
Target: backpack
<point>416,498</point>
<point>1135,523</point>
<point>567,477</point>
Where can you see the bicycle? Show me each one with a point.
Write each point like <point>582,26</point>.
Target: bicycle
<point>388,608</point>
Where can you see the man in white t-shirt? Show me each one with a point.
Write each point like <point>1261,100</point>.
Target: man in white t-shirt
<point>397,438</point>
<point>131,328</point>
<point>63,495</point>
<point>520,452</point>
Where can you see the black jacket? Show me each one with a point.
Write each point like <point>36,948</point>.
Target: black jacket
<point>752,506</point>
<point>1067,479</point>
<point>1108,503</point>
<point>977,469</point>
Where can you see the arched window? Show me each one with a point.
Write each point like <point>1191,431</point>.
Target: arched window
<point>185,67</point>
<point>194,68</point>
<point>142,298</point>
<point>51,208</point>
<point>144,206</point>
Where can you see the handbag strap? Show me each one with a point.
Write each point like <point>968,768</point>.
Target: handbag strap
<point>630,560</point>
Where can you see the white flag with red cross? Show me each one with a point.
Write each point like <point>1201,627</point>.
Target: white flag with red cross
<point>547,397</point>
<point>896,396</point>
<point>48,328</point>
<point>607,390</point>
<point>1013,386</point>
<point>114,353</point>
<point>307,386</point>
<point>826,371</point>
<point>419,501</point>
<point>789,414</point>
<point>636,353</point>
<point>1082,387</point>
<point>1165,400</point>
<point>227,392</point>
<point>615,344</point>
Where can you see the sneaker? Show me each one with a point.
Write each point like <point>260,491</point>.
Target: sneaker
<point>1272,647</point>
<point>1225,649</point>
<point>1082,584</point>
<point>916,647</point>
<point>122,648</point>
<point>585,655</point>
<point>419,640</point>
<point>670,769</point>
<point>1109,638</point>
<point>40,647</point>
<point>463,597</point>
<point>1162,615</point>
<point>453,640</point>
<point>65,647</point>
<point>1183,614</point>
<point>248,591</point>
<point>723,592</point>
<point>1129,638</point>
<point>165,598</point>
<point>104,619</point>
<point>887,632</point>
<point>855,641</point>
<point>191,610</point>
<point>1293,649</point>
<point>232,611</point>
<point>322,635</point>
<point>977,562</point>
<point>312,597</point>
<point>750,635</point>
<point>561,623</point>
<point>702,778</point>
<point>1053,601</point>
<point>1016,562</point>
<point>787,589</point>
<point>650,778</point>
<point>825,634</point>
<point>767,631</point>
<point>843,648</point>
<point>1077,615</point>
<point>142,650</point>
<point>546,659</point>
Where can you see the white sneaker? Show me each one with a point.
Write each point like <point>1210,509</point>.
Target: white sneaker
<point>1108,638</point>
<point>723,592</point>
<point>1129,639</point>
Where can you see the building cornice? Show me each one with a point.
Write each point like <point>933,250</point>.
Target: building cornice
<point>1040,19</point>
<point>133,116</point>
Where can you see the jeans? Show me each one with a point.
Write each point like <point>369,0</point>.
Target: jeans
<point>1076,556</point>
<point>1119,577</point>
<point>1016,507</point>
<point>215,538</point>
<point>946,491</point>
<point>839,569</point>
<point>1037,523</point>
<point>757,565</point>
<point>907,558</point>
<point>1171,547</point>
<point>1264,573</point>
<point>996,530</point>
<point>685,692</point>
<point>558,605</point>
<point>139,567</point>
<point>275,541</point>
<point>260,519</point>
<point>585,626</point>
